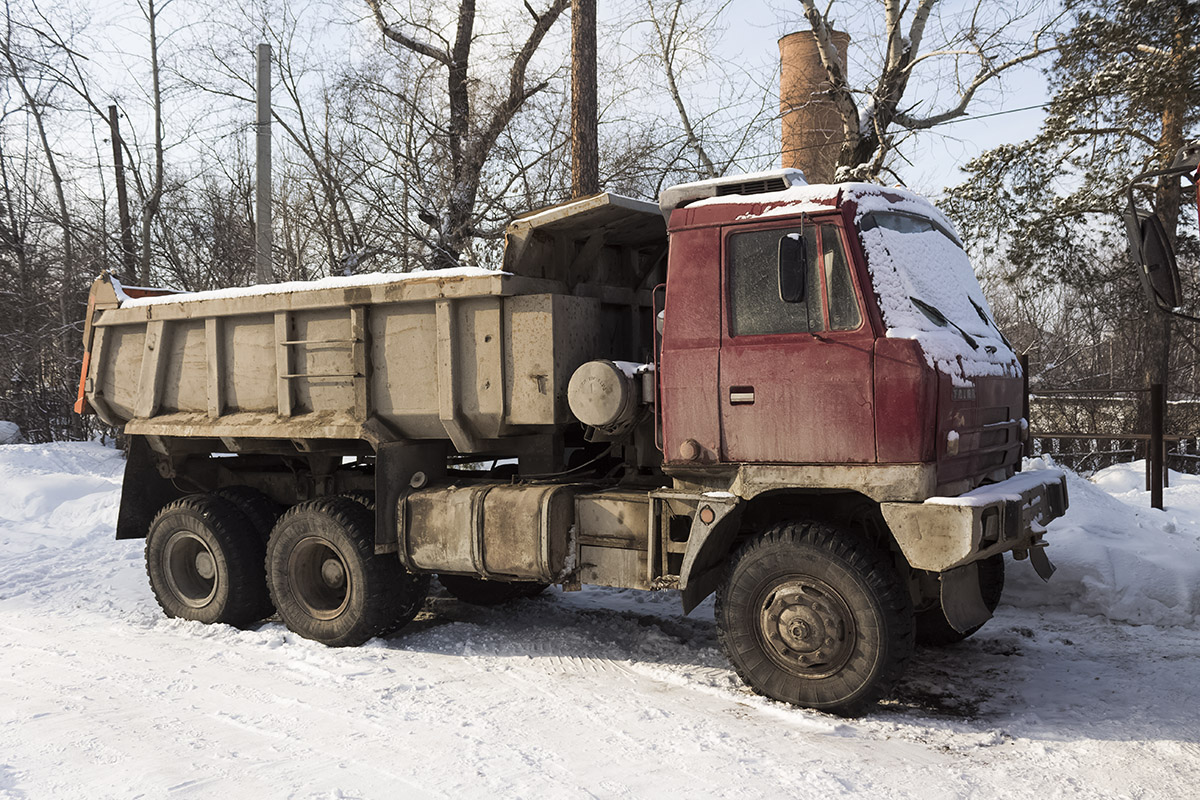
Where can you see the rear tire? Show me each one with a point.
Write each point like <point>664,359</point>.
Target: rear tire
<point>205,562</point>
<point>326,580</point>
<point>815,616</point>
<point>935,630</point>
<point>364,497</point>
<point>479,592</point>
<point>262,511</point>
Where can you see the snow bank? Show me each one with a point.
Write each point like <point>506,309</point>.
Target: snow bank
<point>1117,558</point>
<point>10,432</point>
<point>339,282</point>
<point>67,485</point>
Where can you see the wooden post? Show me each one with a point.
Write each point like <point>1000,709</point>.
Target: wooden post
<point>585,150</point>
<point>128,254</point>
<point>1156,445</point>
<point>1166,454</point>
<point>1027,448</point>
<point>262,195</point>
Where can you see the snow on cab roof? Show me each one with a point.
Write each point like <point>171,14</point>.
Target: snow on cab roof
<point>810,197</point>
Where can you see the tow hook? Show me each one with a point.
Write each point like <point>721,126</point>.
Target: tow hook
<point>1039,559</point>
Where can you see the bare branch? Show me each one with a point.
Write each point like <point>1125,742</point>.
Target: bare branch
<point>404,40</point>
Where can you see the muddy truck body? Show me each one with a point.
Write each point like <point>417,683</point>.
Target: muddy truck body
<point>791,396</point>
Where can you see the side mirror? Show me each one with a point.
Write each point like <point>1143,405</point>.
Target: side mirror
<point>793,268</point>
<point>1148,242</point>
<point>1151,250</point>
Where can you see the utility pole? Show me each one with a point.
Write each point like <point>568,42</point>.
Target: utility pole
<point>262,196</point>
<point>585,150</point>
<point>128,255</point>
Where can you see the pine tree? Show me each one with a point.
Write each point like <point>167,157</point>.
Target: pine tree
<point>1126,97</point>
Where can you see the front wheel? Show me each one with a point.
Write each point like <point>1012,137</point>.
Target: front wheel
<point>815,616</point>
<point>326,580</point>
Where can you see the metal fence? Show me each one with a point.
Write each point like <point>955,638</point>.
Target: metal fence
<point>1111,441</point>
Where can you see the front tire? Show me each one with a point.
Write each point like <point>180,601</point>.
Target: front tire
<point>205,562</point>
<point>326,580</point>
<point>815,616</point>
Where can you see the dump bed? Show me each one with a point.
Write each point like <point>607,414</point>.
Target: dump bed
<point>468,355</point>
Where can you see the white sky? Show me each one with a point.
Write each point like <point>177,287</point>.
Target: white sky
<point>753,29</point>
<point>937,155</point>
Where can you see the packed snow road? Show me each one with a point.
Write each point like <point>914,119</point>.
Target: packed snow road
<point>1089,686</point>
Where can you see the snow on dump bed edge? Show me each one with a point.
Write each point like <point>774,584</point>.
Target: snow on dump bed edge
<point>337,282</point>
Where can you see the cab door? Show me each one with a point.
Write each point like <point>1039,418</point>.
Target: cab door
<point>795,378</point>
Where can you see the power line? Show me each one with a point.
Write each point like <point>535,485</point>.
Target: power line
<point>840,141</point>
<point>992,114</point>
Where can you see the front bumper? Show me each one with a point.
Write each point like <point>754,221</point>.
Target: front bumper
<point>947,532</point>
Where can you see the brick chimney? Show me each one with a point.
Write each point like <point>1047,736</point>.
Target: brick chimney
<point>812,126</point>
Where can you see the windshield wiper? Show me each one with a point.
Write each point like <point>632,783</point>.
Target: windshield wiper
<point>983,316</point>
<point>938,318</point>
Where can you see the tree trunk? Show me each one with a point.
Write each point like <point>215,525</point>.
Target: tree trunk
<point>150,211</point>
<point>585,151</point>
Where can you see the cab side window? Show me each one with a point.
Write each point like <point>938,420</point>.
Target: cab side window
<point>753,275</point>
<point>843,305</point>
<point>753,284</point>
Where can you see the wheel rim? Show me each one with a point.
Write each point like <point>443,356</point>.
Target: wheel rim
<point>807,627</point>
<point>190,567</point>
<point>319,578</point>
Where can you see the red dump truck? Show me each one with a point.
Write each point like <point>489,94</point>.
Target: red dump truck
<point>793,396</point>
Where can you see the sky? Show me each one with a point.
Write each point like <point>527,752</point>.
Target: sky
<point>937,155</point>
<point>750,40</point>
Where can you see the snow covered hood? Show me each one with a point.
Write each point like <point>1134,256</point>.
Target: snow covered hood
<point>923,279</point>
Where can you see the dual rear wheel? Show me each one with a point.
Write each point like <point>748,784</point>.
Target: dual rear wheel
<point>326,580</point>
<point>205,557</point>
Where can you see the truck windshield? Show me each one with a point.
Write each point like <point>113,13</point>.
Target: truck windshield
<point>905,223</point>
<point>927,291</point>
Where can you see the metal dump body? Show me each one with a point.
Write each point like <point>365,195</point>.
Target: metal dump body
<point>470,356</point>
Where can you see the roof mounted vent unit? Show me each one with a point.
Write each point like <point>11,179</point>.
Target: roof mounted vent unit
<point>755,183</point>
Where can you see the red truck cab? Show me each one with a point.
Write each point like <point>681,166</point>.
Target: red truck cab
<point>829,363</point>
<point>827,380</point>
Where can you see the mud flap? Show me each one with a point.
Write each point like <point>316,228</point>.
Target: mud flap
<point>1041,561</point>
<point>962,602</point>
<point>707,549</point>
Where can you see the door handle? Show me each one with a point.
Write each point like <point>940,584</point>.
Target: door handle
<point>741,395</point>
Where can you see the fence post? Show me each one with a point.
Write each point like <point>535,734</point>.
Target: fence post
<point>1027,447</point>
<point>1156,445</point>
<point>1165,447</point>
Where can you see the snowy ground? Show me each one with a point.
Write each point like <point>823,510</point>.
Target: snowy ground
<point>1089,686</point>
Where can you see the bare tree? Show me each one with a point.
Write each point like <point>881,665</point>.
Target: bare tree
<point>977,46</point>
<point>684,110</point>
<point>152,198</point>
<point>473,127</point>
<point>36,107</point>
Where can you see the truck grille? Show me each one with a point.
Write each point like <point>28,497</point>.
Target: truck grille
<point>988,439</point>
